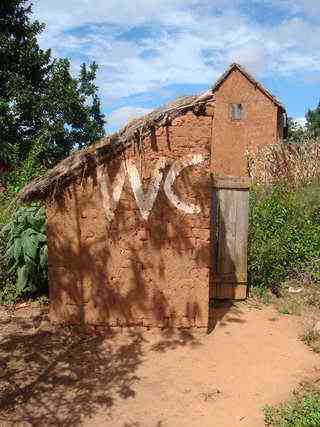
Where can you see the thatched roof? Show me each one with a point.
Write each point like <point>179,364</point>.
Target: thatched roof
<point>80,163</point>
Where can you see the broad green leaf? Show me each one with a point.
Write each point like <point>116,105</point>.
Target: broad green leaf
<point>17,248</point>
<point>44,256</point>
<point>29,246</point>
<point>14,267</point>
<point>6,228</point>
<point>22,278</point>
<point>41,237</point>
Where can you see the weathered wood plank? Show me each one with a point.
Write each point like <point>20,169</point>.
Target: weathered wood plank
<point>230,221</point>
<point>231,182</point>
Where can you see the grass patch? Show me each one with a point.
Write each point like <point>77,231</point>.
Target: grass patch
<point>260,295</point>
<point>298,292</point>
<point>302,410</point>
<point>311,338</point>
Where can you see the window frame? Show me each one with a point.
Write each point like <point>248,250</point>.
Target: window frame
<point>235,108</point>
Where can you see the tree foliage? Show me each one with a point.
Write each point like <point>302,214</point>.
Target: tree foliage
<point>296,132</point>
<point>39,97</point>
<point>45,112</point>
<point>313,121</point>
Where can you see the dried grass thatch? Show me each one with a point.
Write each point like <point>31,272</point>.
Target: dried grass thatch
<point>82,162</point>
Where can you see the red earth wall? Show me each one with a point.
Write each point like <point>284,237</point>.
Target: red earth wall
<point>129,271</point>
<point>232,138</point>
<point>156,272</point>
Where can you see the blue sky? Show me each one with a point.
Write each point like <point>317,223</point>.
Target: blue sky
<point>150,51</point>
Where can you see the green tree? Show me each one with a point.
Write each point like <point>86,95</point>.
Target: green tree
<point>313,121</point>
<point>5,154</point>
<point>296,133</point>
<point>39,98</point>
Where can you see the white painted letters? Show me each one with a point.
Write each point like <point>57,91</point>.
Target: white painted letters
<point>175,170</point>
<point>110,193</point>
<point>145,200</point>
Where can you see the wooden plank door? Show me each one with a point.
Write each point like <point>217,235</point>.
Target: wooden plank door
<point>230,237</point>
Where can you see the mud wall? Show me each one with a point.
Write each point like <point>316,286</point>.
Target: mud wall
<point>232,138</point>
<point>140,256</point>
<point>130,244</point>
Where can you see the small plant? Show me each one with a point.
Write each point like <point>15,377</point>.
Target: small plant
<point>284,310</point>
<point>303,410</point>
<point>26,248</point>
<point>9,295</point>
<point>311,337</point>
<point>42,300</point>
<point>261,294</point>
<point>313,271</point>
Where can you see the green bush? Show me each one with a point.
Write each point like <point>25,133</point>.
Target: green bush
<point>26,249</point>
<point>283,234</point>
<point>300,411</point>
<point>23,248</point>
<point>31,167</point>
<point>8,291</point>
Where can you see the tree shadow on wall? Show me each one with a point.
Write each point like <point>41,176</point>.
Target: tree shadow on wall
<point>99,278</point>
<point>122,269</point>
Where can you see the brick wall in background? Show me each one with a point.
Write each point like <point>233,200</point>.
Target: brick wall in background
<point>257,128</point>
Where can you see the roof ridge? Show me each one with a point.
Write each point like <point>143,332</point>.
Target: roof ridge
<point>250,77</point>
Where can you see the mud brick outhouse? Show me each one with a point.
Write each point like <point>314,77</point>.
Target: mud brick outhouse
<point>130,221</point>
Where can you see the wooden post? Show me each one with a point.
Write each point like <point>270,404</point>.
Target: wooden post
<point>230,212</point>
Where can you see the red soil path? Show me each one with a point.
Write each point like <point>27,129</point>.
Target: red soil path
<point>152,379</point>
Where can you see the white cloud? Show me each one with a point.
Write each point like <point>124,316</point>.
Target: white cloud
<point>189,42</point>
<point>300,121</point>
<point>252,55</point>
<point>123,115</point>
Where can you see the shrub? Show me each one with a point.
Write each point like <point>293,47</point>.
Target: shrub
<point>26,248</point>
<point>30,168</point>
<point>284,232</point>
<point>23,249</point>
<point>8,292</point>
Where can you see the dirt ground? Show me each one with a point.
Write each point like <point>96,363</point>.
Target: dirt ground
<point>138,378</point>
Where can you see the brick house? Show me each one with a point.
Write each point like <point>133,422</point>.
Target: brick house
<point>129,219</point>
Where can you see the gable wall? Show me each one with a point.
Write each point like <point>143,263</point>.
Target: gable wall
<point>231,139</point>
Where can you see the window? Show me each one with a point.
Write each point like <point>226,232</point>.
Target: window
<point>236,111</point>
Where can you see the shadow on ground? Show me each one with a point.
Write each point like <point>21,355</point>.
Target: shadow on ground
<point>60,376</point>
<point>224,312</point>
